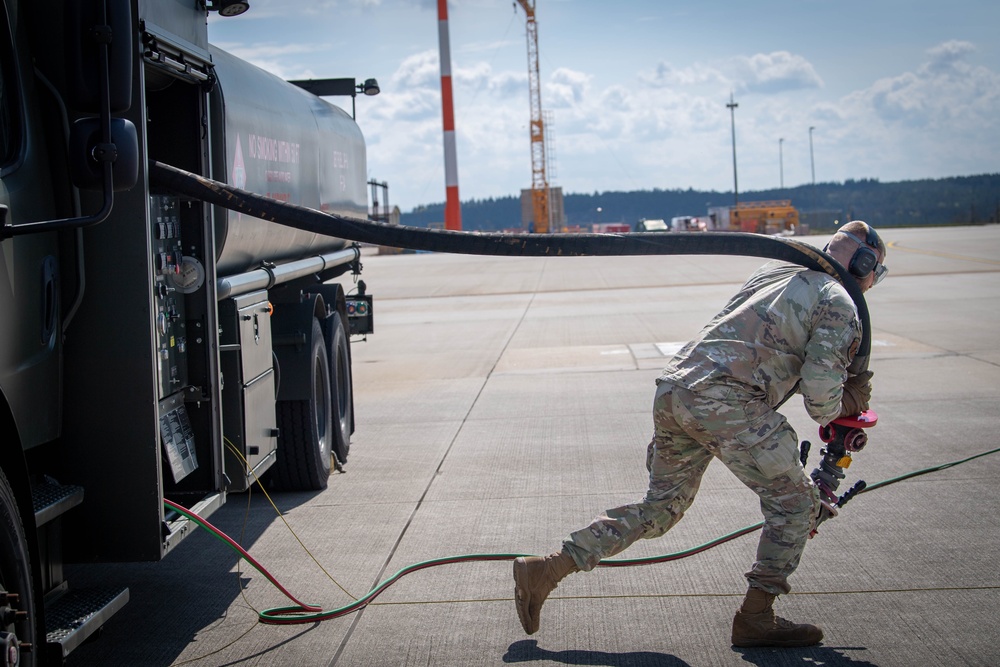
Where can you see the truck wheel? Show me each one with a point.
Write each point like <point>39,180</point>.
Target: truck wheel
<point>16,591</point>
<point>305,428</point>
<point>343,398</point>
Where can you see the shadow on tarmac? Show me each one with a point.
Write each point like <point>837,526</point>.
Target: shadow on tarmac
<point>195,584</point>
<point>827,656</point>
<point>527,650</point>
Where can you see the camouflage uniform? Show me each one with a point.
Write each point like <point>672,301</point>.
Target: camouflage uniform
<point>787,330</point>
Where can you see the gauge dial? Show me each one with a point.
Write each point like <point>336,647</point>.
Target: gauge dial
<point>190,275</point>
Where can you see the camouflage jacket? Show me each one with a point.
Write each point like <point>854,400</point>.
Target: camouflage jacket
<point>788,328</point>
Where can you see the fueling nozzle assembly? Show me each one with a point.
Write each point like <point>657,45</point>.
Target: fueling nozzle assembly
<point>842,438</point>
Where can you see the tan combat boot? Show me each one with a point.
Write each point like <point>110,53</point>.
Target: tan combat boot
<point>756,625</point>
<point>534,578</point>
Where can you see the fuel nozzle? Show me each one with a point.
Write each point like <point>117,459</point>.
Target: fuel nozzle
<point>842,438</point>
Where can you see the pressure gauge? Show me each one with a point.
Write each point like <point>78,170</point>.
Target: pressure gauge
<point>189,277</point>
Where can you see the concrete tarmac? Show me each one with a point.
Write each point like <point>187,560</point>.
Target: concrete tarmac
<point>504,402</point>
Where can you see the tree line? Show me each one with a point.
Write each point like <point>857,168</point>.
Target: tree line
<point>958,200</point>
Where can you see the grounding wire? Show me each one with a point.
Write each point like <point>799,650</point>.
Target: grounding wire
<point>235,450</point>
<point>300,612</point>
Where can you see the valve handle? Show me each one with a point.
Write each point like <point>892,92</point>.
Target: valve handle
<point>866,419</point>
<point>858,487</point>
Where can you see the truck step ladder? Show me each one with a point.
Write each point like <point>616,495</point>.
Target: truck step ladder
<point>51,499</point>
<point>71,619</point>
<point>71,616</point>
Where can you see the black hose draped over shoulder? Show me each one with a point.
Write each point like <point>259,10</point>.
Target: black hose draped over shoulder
<point>535,245</point>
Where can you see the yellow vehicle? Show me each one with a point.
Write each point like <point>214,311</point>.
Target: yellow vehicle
<point>764,217</point>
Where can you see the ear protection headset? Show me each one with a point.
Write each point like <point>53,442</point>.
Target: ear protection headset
<point>865,258</point>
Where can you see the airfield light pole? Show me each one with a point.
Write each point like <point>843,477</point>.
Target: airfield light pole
<point>732,120</point>
<point>812,162</point>
<point>781,165</point>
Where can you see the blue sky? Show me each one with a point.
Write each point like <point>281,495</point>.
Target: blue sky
<point>637,91</point>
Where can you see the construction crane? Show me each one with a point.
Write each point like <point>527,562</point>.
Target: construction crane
<point>539,179</point>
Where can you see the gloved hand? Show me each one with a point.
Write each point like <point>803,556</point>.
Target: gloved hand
<point>857,393</point>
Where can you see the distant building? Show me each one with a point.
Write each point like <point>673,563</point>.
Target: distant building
<point>646,225</point>
<point>691,223</point>
<point>557,214</point>
<point>610,228</point>
<point>759,217</point>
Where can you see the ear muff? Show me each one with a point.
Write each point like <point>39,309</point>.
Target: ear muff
<point>864,259</point>
<point>863,262</point>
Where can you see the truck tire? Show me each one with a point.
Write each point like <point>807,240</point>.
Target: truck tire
<point>15,578</point>
<point>305,428</point>
<point>343,397</point>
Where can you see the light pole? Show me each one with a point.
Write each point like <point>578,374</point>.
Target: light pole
<point>781,165</point>
<point>732,119</point>
<point>334,87</point>
<point>812,162</point>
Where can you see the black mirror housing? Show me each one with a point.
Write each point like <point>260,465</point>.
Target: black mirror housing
<point>88,154</point>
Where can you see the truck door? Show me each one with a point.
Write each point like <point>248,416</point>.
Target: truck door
<point>29,269</point>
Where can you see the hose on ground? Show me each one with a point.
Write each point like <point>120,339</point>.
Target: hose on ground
<point>304,613</point>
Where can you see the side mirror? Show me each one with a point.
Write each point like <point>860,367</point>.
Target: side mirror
<point>92,24</point>
<point>87,155</point>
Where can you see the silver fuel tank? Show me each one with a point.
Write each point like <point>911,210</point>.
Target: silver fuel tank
<point>275,139</point>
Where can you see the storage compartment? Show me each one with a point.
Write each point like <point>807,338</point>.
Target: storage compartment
<point>249,387</point>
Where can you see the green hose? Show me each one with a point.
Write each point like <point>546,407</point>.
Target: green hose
<point>304,613</point>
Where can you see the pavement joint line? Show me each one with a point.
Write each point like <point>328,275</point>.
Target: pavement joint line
<point>437,471</point>
<point>933,589</point>
<point>947,255</point>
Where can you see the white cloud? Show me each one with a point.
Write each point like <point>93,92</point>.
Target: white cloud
<point>775,72</point>
<point>566,88</point>
<point>275,58</point>
<point>946,94</point>
<point>949,55</point>
<point>935,121</point>
<point>420,70</point>
<point>666,74</point>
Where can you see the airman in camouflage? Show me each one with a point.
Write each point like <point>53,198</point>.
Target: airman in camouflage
<point>788,329</point>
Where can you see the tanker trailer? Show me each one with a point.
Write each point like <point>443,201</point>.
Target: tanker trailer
<point>276,139</point>
<point>153,346</point>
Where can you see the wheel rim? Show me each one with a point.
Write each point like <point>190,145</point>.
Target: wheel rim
<point>342,398</point>
<point>322,392</point>
<point>15,582</point>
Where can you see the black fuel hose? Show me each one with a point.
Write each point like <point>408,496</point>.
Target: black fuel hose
<point>533,245</point>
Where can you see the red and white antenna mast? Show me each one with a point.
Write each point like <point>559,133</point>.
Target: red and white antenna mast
<point>452,207</point>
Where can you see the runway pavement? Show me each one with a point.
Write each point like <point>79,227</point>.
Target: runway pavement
<point>503,402</point>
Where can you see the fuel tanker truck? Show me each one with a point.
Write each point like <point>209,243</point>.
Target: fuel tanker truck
<point>152,346</point>
<point>176,231</point>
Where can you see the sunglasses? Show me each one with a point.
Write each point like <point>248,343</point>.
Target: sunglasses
<point>880,272</point>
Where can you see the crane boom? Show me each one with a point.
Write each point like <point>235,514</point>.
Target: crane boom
<point>539,179</point>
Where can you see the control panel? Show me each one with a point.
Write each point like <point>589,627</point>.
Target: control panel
<point>177,437</point>
<point>360,316</point>
<point>170,270</point>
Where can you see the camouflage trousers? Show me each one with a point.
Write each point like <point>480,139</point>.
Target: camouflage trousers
<point>756,443</point>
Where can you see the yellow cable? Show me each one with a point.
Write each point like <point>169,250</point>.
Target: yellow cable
<point>236,451</point>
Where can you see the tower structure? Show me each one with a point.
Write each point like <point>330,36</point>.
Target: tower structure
<point>539,178</point>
